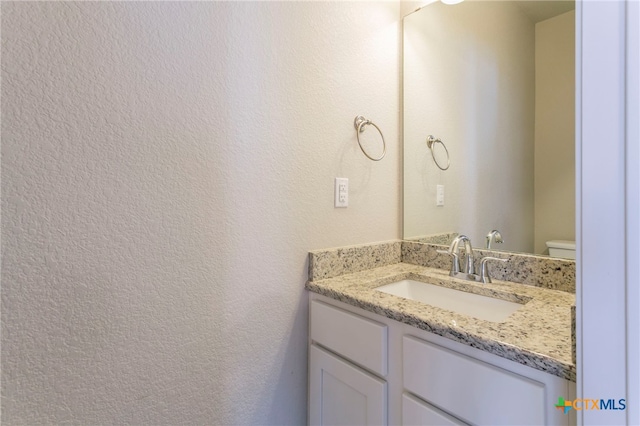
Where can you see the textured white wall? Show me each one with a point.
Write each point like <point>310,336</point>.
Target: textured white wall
<point>555,170</point>
<point>165,169</point>
<point>469,80</point>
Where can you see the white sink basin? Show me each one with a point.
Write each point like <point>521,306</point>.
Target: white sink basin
<point>475,305</point>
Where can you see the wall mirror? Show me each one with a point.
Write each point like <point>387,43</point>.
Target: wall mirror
<point>495,82</point>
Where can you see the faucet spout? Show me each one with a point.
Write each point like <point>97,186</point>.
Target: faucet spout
<point>494,236</point>
<point>469,267</point>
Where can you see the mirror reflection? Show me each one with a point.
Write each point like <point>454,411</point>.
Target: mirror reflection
<point>495,82</point>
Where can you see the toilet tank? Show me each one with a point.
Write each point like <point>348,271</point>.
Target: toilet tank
<point>562,248</point>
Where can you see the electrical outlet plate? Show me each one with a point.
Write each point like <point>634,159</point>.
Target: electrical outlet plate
<point>439,195</point>
<point>341,192</point>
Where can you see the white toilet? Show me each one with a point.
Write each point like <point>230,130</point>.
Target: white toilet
<point>562,248</point>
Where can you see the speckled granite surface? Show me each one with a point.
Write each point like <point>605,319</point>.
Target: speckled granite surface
<point>539,271</point>
<point>444,238</point>
<point>537,335</point>
<point>331,263</point>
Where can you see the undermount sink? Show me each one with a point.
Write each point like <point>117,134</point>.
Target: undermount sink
<point>475,305</point>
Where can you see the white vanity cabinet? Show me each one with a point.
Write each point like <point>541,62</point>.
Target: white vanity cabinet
<point>473,390</point>
<point>347,365</point>
<point>418,412</point>
<point>368,369</point>
<point>344,394</point>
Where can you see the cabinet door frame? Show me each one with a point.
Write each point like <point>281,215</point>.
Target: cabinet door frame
<point>374,389</point>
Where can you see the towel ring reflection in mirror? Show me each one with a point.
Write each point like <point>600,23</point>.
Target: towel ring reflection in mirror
<point>431,141</point>
<point>359,124</point>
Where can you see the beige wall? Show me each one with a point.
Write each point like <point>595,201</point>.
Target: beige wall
<point>469,80</point>
<point>555,131</point>
<point>166,167</point>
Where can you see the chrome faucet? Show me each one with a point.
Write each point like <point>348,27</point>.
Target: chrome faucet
<point>494,236</point>
<point>454,252</point>
<point>469,272</point>
<point>469,268</point>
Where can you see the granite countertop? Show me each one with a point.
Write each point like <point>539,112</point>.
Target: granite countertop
<point>537,335</point>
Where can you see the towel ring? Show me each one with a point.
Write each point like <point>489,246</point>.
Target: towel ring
<point>431,141</point>
<point>359,124</point>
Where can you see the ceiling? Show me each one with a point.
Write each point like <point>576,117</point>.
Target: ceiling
<point>542,10</point>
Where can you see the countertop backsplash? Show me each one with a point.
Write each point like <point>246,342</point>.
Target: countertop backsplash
<point>538,271</point>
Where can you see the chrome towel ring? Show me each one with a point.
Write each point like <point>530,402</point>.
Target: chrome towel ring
<point>431,141</point>
<point>359,124</point>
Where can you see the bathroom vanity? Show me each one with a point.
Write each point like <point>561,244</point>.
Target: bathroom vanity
<point>377,358</point>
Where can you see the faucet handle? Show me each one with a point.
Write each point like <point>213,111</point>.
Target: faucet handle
<point>484,271</point>
<point>455,265</point>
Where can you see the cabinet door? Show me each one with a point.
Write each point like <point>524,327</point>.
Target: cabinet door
<point>342,394</point>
